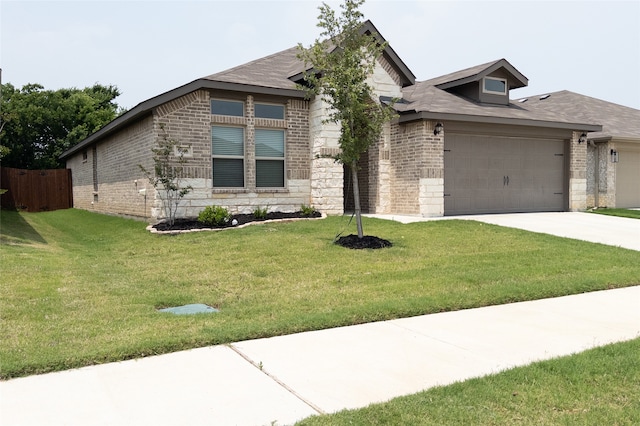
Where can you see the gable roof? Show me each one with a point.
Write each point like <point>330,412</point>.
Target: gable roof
<point>406,76</point>
<point>430,99</point>
<point>276,74</point>
<point>476,73</point>
<point>617,121</point>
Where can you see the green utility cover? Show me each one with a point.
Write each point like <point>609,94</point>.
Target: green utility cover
<point>196,308</point>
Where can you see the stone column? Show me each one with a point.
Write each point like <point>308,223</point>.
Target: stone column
<point>431,195</point>
<point>327,175</point>
<point>577,173</point>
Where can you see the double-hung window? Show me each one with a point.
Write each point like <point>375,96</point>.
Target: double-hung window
<point>270,148</point>
<point>227,147</point>
<point>269,158</point>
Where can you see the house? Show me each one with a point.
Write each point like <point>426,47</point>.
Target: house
<point>458,146</point>
<point>613,154</point>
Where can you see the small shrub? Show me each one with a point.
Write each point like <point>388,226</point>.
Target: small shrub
<point>214,216</point>
<point>307,211</point>
<point>260,213</point>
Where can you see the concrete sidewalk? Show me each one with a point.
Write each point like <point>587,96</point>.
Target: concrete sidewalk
<point>287,378</point>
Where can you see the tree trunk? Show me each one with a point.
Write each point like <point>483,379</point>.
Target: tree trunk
<point>356,198</point>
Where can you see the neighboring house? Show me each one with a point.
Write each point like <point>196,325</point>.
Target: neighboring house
<point>458,146</point>
<point>613,154</point>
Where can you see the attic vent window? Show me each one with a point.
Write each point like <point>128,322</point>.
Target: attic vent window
<point>543,97</point>
<point>494,86</point>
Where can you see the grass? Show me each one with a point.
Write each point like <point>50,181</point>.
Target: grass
<point>80,288</point>
<point>597,387</point>
<point>634,214</point>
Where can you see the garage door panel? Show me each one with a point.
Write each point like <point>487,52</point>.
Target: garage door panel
<point>486,174</point>
<point>628,179</point>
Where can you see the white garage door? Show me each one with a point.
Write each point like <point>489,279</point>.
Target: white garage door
<point>628,178</point>
<point>487,174</point>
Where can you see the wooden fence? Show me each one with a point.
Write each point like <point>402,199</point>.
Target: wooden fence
<point>36,190</point>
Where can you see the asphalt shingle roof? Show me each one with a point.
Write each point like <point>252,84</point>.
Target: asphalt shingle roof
<point>426,97</point>
<point>272,71</point>
<point>617,120</point>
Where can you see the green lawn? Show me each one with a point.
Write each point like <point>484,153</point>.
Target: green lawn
<point>634,214</point>
<point>597,387</point>
<point>80,288</point>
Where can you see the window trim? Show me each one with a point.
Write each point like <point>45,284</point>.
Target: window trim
<point>231,157</point>
<point>493,92</point>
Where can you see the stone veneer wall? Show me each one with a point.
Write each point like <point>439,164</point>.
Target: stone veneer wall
<point>600,176</point>
<point>577,174</point>
<point>327,176</point>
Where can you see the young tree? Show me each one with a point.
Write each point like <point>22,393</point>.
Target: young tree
<point>38,125</point>
<point>338,67</point>
<point>167,174</point>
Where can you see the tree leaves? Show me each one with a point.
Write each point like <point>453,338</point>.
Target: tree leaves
<point>38,125</point>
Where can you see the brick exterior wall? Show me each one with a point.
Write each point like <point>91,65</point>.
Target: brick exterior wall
<point>188,120</point>
<point>117,175</point>
<point>417,169</point>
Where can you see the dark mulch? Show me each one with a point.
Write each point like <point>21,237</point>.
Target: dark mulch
<point>366,242</point>
<point>188,224</point>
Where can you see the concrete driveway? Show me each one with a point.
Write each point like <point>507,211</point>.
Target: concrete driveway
<point>595,228</point>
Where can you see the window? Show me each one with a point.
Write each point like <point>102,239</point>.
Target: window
<point>269,111</point>
<point>227,148</point>
<point>269,158</point>
<point>496,86</point>
<point>220,107</point>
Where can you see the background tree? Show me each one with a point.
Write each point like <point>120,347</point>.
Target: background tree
<point>38,124</point>
<point>339,65</point>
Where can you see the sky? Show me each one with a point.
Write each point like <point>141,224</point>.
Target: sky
<point>148,47</point>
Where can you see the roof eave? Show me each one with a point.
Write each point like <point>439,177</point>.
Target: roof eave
<point>425,115</point>
<point>146,107</point>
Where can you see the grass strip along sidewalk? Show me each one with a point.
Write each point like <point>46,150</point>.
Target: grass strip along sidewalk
<point>597,387</point>
<point>80,288</point>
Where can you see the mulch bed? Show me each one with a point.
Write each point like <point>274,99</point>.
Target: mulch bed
<point>366,242</point>
<point>350,241</point>
<point>240,219</point>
